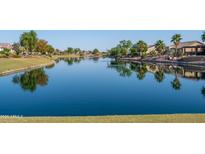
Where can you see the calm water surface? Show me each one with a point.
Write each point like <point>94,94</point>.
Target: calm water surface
<point>103,87</point>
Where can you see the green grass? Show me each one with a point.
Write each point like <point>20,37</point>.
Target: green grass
<point>12,64</point>
<point>169,118</point>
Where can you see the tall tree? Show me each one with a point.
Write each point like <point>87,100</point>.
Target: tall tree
<point>50,49</point>
<point>41,46</point>
<point>176,40</point>
<point>124,46</point>
<point>70,50</point>
<point>160,46</point>
<point>17,48</point>
<point>95,51</point>
<point>28,40</point>
<point>203,37</point>
<point>77,50</point>
<point>141,48</point>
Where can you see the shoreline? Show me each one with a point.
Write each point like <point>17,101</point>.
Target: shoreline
<point>171,62</point>
<point>30,66</point>
<point>152,118</point>
<point>13,71</point>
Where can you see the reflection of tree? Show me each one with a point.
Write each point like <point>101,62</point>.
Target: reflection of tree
<point>121,68</point>
<point>176,84</point>
<point>159,75</point>
<point>71,61</point>
<point>141,71</point>
<point>30,80</point>
<point>153,67</point>
<point>133,66</point>
<point>95,59</point>
<point>203,91</point>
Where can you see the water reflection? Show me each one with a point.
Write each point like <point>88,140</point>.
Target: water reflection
<point>71,61</point>
<point>159,71</point>
<point>121,68</point>
<point>203,91</point>
<point>159,75</point>
<point>30,80</point>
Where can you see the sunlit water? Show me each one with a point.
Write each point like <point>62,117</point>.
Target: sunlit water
<point>102,87</point>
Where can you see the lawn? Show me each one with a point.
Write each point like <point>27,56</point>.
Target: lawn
<point>15,64</point>
<point>169,118</point>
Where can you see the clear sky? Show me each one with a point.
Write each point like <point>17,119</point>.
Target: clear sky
<point>101,39</point>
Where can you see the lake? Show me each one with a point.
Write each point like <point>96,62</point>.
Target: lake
<point>79,87</point>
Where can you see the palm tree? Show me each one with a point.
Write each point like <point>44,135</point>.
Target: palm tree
<point>141,47</point>
<point>176,40</point>
<point>160,46</point>
<point>203,37</point>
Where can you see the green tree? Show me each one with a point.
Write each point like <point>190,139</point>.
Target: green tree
<point>41,46</point>
<point>115,52</point>
<point>77,50</point>
<point>17,48</point>
<point>176,40</point>
<point>5,51</point>
<point>141,48</point>
<point>203,37</point>
<point>50,49</point>
<point>160,46</point>
<point>95,51</point>
<point>125,46</point>
<point>70,50</point>
<point>133,51</point>
<point>122,49</point>
<point>28,40</point>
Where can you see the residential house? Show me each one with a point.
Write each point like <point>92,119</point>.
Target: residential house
<point>190,48</point>
<point>5,46</point>
<point>150,49</point>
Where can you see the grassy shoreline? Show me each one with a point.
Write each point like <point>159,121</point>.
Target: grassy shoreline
<point>13,65</point>
<point>158,118</point>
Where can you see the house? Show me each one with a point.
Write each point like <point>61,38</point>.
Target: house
<point>151,48</point>
<point>5,46</point>
<point>190,48</point>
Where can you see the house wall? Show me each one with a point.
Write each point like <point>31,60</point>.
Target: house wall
<point>193,49</point>
<point>150,49</point>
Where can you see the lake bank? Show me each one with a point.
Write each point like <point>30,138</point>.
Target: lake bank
<point>13,65</point>
<point>186,61</point>
<point>158,118</point>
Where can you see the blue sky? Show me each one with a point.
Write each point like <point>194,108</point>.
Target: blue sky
<point>101,39</point>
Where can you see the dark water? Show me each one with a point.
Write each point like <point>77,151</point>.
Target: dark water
<point>103,87</point>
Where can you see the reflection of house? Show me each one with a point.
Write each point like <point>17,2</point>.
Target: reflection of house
<point>5,46</point>
<point>191,47</point>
